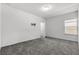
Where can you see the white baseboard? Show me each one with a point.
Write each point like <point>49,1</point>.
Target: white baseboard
<point>60,38</point>
<point>18,42</point>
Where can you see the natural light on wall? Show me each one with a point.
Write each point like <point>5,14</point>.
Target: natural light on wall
<point>71,26</point>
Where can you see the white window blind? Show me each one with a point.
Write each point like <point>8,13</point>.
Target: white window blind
<point>71,26</point>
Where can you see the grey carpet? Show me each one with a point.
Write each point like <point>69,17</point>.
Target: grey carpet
<point>44,46</point>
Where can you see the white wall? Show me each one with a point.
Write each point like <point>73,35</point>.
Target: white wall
<point>0,25</point>
<point>78,26</point>
<point>16,26</point>
<point>55,26</point>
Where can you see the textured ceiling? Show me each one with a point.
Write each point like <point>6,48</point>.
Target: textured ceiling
<point>57,8</point>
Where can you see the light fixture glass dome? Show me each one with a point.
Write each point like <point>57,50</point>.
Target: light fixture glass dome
<point>46,7</point>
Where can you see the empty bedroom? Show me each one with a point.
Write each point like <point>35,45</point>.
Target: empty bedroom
<point>39,28</point>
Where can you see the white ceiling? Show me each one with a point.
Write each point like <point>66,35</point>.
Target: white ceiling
<point>57,8</point>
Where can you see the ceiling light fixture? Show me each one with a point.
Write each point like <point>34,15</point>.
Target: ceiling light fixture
<point>46,7</point>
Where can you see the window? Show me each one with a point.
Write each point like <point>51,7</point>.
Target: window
<point>71,26</point>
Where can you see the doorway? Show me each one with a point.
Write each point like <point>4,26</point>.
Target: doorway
<point>42,25</point>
